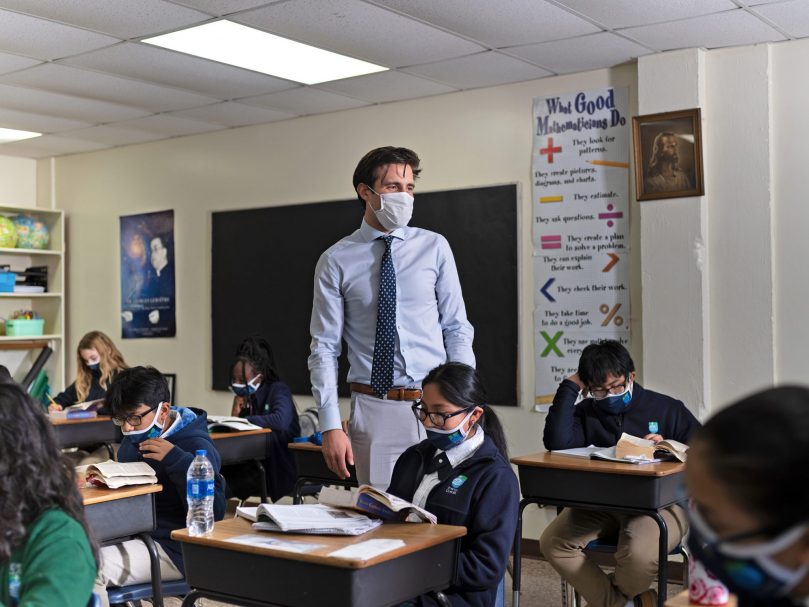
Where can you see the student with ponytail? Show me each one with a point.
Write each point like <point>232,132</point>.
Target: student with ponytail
<point>461,474</point>
<point>265,400</point>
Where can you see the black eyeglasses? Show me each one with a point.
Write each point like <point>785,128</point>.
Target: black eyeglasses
<point>133,420</point>
<point>614,390</point>
<point>436,419</point>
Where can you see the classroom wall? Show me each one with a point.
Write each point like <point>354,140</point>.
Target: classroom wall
<point>18,181</point>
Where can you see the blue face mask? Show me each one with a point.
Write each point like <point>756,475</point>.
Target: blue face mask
<point>152,431</point>
<point>615,403</point>
<point>447,439</point>
<point>748,570</point>
<point>246,389</point>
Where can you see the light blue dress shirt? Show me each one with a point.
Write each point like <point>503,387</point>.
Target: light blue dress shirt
<point>431,322</point>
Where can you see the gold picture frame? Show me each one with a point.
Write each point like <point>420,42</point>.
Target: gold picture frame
<point>668,155</point>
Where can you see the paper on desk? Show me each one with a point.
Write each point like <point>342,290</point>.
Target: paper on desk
<point>367,549</point>
<point>263,541</point>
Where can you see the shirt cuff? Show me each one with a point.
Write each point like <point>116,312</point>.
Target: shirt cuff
<point>329,418</point>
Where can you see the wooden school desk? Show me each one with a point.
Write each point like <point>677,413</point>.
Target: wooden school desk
<point>87,432</point>
<point>249,445</point>
<point>265,576</point>
<point>116,515</point>
<point>312,469</point>
<point>559,480</point>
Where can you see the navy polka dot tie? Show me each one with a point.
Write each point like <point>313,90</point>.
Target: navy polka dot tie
<point>382,366</point>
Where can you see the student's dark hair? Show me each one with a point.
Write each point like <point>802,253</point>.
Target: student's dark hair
<point>258,352</point>
<point>368,168</point>
<point>137,386</point>
<point>758,448</point>
<point>461,385</point>
<point>34,476</point>
<point>602,358</point>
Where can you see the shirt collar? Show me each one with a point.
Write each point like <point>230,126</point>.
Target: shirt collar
<point>370,234</point>
<point>466,449</point>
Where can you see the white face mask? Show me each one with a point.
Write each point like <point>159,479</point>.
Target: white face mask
<point>396,209</point>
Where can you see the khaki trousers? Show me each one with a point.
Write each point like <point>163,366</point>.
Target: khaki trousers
<point>380,431</point>
<point>564,540</point>
<point>128,563</point>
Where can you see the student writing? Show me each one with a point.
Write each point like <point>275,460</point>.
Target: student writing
<point>166,438</point>
<point>97,362</point>
<point>46,557</point>
<point>613,402</point>
<point>746,476</point>
<point>461,474</point>
<point>265,400</point>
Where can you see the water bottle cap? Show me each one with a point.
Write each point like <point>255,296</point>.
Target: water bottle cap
<point>202,452</point>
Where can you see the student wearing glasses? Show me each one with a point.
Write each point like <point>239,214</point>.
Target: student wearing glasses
<point>461,474</point>
<point>166,438</point>
<point>746,477</point>
<point>594,407</point>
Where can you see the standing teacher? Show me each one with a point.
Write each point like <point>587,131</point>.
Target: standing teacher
<point>393,294</point>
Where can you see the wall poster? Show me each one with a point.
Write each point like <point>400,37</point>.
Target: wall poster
<point>147,275</point>
<point>580,228</point>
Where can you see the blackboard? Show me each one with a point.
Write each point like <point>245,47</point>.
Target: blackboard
<point>263,263</point>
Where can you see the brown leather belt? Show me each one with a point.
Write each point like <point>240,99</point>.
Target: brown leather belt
<point>393,393</point>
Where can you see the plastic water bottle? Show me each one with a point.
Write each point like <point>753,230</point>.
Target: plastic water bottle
<point>200,492</point>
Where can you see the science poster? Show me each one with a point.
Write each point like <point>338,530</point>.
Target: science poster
<point>147,275</point>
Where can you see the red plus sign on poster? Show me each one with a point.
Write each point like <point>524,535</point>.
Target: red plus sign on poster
<point>550,150</point>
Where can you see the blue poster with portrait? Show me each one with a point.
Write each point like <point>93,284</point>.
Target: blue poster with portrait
<point>147,275</point>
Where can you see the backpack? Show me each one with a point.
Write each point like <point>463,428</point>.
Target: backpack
<point>309,421</point>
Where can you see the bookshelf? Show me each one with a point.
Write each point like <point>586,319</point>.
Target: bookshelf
<point>19,353</point>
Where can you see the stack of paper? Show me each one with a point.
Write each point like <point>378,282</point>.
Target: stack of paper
<point>114,474</point>
<point>308,518</point>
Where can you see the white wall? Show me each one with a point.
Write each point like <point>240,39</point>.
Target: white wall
<point>18,181</point>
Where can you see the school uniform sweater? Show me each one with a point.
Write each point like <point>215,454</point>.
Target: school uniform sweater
<point>481,494</point>
<point>571,425</point>
<point>272,407</point>
<point>71,397</point>
<point>170,504</point>
<point>55,566</point>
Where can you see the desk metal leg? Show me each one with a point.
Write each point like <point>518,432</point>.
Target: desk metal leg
<point>517,573</point>
<point>110,451</point>
<point>154,560</point>
<point>263,485</point>
<point>662,555</point>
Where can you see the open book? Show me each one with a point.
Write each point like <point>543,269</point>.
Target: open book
<point>631,450</point>
<point>307,518</point>
<point>226,423</point>
<point>378,503</point>
<point>114,474</point>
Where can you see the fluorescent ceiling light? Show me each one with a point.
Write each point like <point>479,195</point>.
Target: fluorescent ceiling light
<point>7,135</point>
<point>242,46</point>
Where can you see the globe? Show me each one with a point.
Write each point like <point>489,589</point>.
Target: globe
<point>8,233</point>
<point>32,233</point>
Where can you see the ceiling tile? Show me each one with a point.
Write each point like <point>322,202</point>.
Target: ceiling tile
<point>386,86</point>
<point>12,63</point>
<point>111,135</point>
<point>224,7</point>
<point>305,100</point>
<point>731,28</point>
<point>792,17</point>
<point>43,39</point>
<point>231,113</point>
<point>488,22</point>
<point>66,106</point>
<point>581,54</point>
<point>161,66</point>
<point>26,121</point>
<point>48,145</point>
<point>627,13</point>
<point>119,18</point>
<point>484,69</point>
<point>360,30</point>
<point>170,125</point>
<point>79,82</point>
